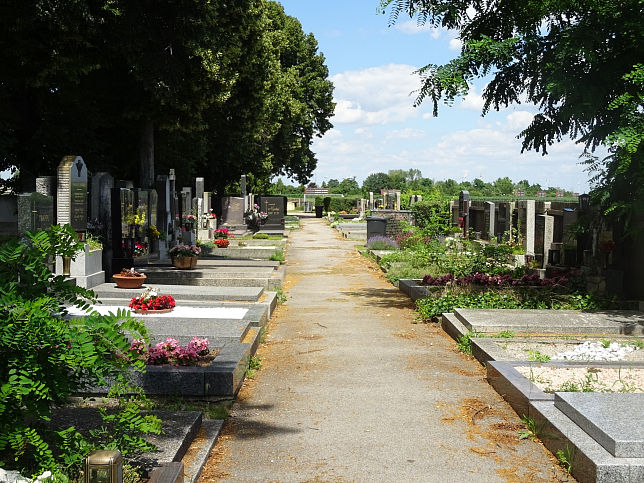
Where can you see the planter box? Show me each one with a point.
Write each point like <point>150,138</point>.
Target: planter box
<point>87,268</point>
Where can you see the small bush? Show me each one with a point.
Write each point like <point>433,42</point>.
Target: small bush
<point>380,242</point>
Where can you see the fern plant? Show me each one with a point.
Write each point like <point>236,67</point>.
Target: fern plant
<point>44,358</point>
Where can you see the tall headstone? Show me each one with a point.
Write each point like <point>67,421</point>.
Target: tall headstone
<point>101,194</point>
<point>199,189</point>
<point>397,203</point>
<point>490,213</point>
<point>530,228</point>
<point>242,183</point>
<point>464,211</point>
<point>71,206</point>
<point>163,214</point>
<point>371,200</point>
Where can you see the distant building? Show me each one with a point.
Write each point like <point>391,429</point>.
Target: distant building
<point>316,191</point>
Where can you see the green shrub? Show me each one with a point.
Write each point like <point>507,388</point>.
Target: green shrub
<point>260,236</point>
<point>433,216</point>
<point>44,359</point>
<point>326,202</point>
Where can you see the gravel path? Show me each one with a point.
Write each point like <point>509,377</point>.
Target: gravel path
<point>352,390</point>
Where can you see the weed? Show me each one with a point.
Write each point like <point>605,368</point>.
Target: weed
<point>464,342</point>
<point>254,364</point>
<point>506,334</point>
<point>638,343</point>
<point>262,334</point>
<point>566,457</point>
<point>605,343</point>
<point>569,386</point>
<point>537,356</point>
<point>277,256</point>
<point>531,430</point>
<point>281,296</point>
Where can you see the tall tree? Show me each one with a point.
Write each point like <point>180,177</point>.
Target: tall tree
<point>579,62</point>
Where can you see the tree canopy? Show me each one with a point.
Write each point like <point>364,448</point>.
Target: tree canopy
<point>214,88</point>
<point>579,62</point>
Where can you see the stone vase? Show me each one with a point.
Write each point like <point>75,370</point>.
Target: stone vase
<point>184,263</point>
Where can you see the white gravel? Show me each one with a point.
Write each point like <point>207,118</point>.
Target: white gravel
<point>235,313</point>
<point>596,351</point>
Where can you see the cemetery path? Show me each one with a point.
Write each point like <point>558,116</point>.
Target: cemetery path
<point>352,390</point>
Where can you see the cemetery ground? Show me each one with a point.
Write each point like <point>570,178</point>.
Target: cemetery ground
<point>353,389</point>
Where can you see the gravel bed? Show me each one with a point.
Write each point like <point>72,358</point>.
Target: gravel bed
<point>536,350</point>
<point>586,379</point>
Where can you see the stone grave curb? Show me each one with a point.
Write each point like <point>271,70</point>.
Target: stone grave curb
<point>590,461</point>
<point>258,252</point>
<point>197,454</point>
<point>223,378</point>
<point>414,290</point>
<point>557,431</point>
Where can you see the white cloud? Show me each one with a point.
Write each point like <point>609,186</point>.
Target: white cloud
<point>517,121</point>
<point>377,95</point>
<point>407,133</point>
<point>455,44</point>
<point>473,101</point>
<point>412,27</point>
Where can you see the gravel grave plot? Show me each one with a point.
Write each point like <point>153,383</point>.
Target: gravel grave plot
<point>556,349</point>
<point>586,379</point>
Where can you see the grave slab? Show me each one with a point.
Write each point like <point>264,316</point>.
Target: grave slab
<point>614,420</point>
<point>184,292</point>
<point>552,321</point>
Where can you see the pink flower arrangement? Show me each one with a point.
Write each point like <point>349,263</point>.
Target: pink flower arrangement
<point>222,233</point>
<point>171,352</point>
<point>182,250</point>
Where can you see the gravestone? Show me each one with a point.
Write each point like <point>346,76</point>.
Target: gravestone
<point>199,188</point>
<point>490,215</point>
<point>71,199</point>
<point>46,185</point>
<point>464,211</point>
<point>35,212</point>
<point>370,200</point>
<point>163,213</point>
<point>527,218</point>
<point>274,207</point>
<point>242,183</point>
<point>100,209</point>
<point>232,210</point>
<point>503,221</point>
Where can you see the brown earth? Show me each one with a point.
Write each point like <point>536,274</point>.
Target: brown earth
<point>351,389</point>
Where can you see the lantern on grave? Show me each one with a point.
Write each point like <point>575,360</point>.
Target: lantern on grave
<point>104,466</point>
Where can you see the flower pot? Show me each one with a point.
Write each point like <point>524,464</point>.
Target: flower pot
<point>151,312</point>
<point>184,263</point>
<point>128,282</point>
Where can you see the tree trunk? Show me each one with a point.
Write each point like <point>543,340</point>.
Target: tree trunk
<point>146,155</point>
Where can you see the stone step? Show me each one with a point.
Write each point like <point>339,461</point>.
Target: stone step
<point>614,420</point>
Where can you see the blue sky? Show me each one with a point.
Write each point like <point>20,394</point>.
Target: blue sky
<point>376,127</point>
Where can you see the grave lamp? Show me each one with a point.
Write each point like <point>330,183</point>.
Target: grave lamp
<point>584,201</point>
<point>104,466</point>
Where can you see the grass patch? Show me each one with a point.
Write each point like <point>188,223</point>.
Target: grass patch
<point>277,256</point>
<point>254,365</point>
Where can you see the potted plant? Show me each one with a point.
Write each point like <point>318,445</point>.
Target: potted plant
<point>129,278</point>
<point>151,302</point>
<point>222,242</point>
<point>184,256</point>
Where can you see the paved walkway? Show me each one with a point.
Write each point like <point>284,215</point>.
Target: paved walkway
<point>352,390</point>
